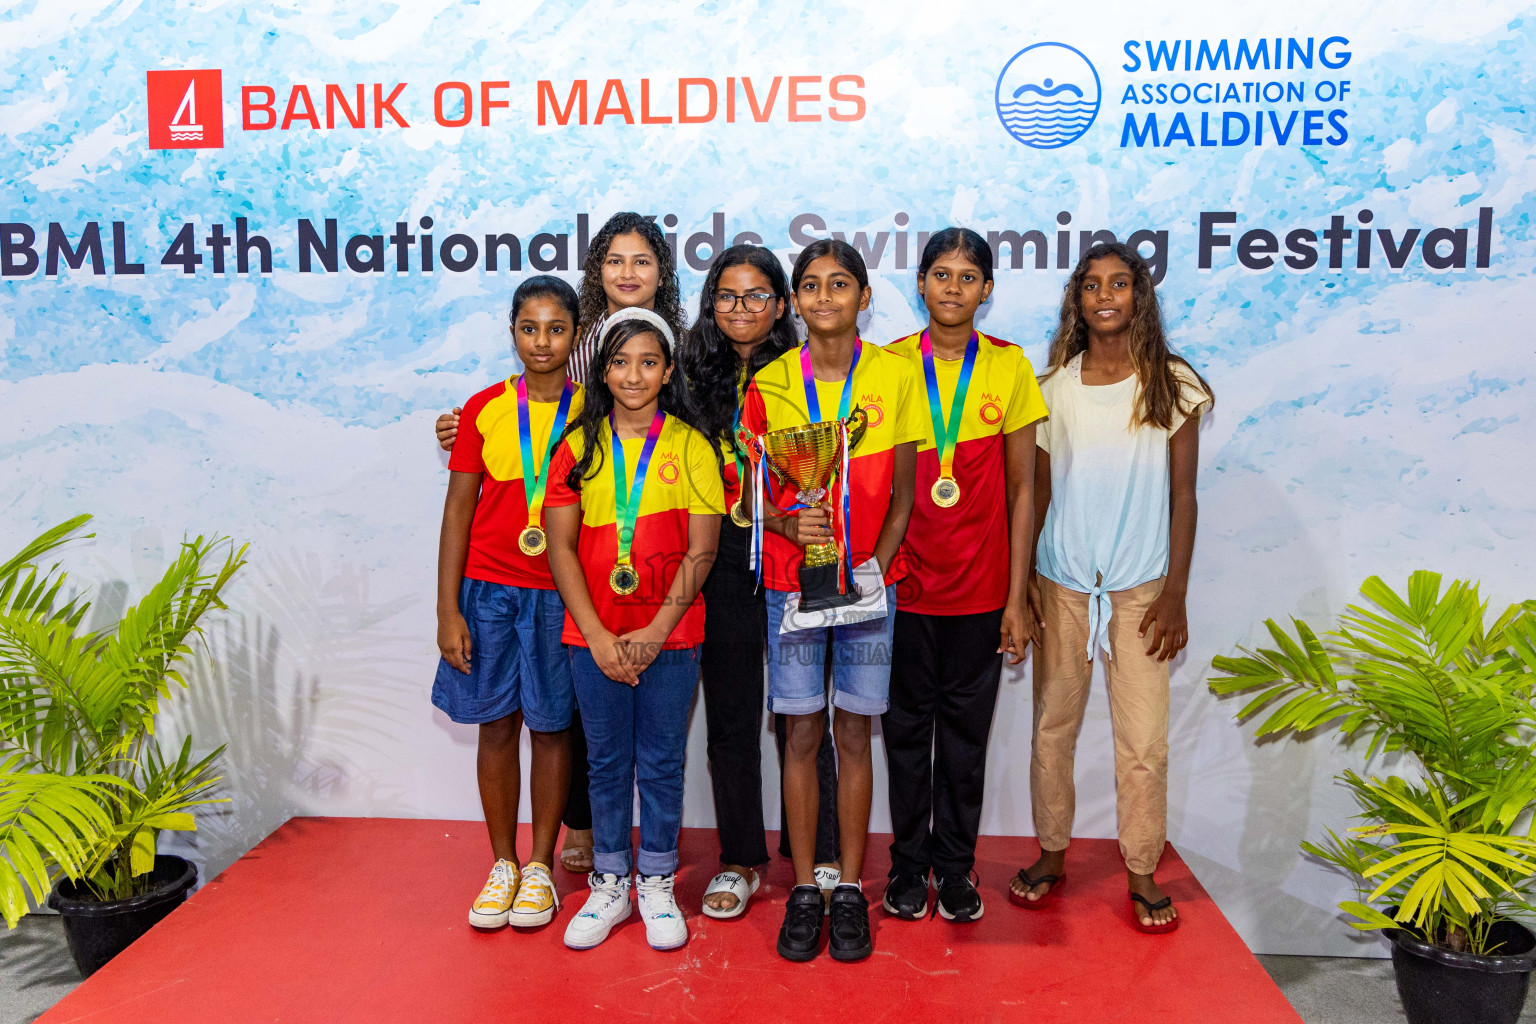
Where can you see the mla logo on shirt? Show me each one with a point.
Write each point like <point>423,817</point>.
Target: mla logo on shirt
<point>1048,95</point>
<point>668,471</point>
<point>186,109</point>
<point>871,405</point>
<point>991,413</point>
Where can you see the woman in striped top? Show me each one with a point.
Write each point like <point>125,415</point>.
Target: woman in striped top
<point>628,264</point>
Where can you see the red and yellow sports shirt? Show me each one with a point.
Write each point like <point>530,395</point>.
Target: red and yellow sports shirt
<point>958,556</point>
<point>683,479</point>
<point>891,394</point>
<point>487,444</point>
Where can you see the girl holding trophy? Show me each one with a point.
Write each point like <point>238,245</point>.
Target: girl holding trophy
<point>744,324</point>
<point>838,423</point>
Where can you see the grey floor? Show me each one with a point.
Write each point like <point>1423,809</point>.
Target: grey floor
<point>36,972</point>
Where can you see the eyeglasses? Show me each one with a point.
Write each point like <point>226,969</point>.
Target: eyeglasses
<point>755,302</point>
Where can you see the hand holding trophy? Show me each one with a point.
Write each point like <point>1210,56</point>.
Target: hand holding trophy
<point>812,459</point>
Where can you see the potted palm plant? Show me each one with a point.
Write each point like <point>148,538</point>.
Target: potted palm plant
<point>77,731</point>
<point>1444,854</point>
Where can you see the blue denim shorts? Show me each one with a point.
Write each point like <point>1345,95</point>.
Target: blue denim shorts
<point>516,661</point>
<point>861,663</point>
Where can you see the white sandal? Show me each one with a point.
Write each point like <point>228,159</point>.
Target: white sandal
<point>736,885</point>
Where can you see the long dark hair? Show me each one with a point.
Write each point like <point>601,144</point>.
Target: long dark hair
<point>707,356</point>
<point>1151,360</point>
<point>592,423</point>
<point>594,301</point>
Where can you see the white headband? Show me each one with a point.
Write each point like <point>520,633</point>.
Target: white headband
<point>645,316</point>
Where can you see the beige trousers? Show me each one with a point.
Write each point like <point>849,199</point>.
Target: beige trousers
<point>1138,708</point>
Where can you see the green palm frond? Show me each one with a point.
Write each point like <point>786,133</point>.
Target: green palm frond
<point>83,780</point>
<point>45,820</point>
<point>27,588</point>
<point>1420,673</point>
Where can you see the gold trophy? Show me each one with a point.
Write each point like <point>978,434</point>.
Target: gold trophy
<point>808,458</point>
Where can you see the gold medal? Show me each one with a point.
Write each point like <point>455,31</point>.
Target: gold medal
<point>739,517</point>
<point>623,579</point>
<point>531,541</point>
<point>945,492</point>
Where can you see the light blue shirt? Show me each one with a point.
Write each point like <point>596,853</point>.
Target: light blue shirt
<point>1107,526</point>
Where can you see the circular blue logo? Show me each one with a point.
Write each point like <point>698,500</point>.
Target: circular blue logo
<point>1048,95</point>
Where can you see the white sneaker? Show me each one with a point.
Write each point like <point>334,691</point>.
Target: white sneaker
<point>664,924</point>
<point>606,906</point>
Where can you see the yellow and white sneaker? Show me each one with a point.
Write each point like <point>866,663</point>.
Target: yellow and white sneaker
<point>495,901</point>
<point>537,900</point>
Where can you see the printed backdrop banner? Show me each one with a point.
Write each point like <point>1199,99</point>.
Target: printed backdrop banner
<point>249,252</point>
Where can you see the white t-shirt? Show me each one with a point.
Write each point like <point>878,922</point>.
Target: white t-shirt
<point>1107,525</point>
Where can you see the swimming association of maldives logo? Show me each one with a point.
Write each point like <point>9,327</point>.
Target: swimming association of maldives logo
<point>1048,95</point>
<point>186,109</point>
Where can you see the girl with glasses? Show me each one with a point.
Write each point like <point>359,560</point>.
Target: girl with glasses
<point>743,325</point>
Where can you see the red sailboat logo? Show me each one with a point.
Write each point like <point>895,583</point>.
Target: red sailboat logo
<point>185,109</point>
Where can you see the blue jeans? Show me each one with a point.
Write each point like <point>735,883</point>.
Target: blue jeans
<point>632,731</point>
<point>516,662</point>
<point>861,663</point>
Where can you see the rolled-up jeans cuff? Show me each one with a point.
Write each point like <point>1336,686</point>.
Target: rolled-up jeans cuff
<point>611,863</point>
<point>854,704</point>
<point>652,863</point>
<point>797,705</point>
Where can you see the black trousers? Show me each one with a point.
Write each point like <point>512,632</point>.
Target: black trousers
<point>944,678</point>
<point>578,805</point>
<point>731,662</point>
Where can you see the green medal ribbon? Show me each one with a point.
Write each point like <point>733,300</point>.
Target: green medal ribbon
<point>626,495</point>
<point>946,434</point>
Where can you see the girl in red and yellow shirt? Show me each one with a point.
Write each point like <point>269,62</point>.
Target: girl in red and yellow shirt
<point>634,517</point>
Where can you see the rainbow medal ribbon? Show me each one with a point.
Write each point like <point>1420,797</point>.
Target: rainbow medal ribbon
<point>844,407</point>
<point>945,491</point>
<point>624,579</point>
<point>532,540</point>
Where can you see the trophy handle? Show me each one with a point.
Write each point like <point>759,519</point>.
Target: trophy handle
<point>751,445</point>
<point>857,422</point>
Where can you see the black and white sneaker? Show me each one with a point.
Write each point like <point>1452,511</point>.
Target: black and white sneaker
<point>906,896</point>
<point>956,898</point>
<point>850,938</point>
<point>800,935</point>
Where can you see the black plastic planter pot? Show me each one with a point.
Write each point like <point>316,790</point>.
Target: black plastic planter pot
<point>1438,986</point>
<point>98,930</point>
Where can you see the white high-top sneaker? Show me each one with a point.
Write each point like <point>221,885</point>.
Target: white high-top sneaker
<point>606,906</point>
<point>664,925</point>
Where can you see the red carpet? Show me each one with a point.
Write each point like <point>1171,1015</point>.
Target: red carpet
<point>357,919</point>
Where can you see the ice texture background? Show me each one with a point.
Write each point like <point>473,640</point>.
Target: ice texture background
<point>1365,422</point>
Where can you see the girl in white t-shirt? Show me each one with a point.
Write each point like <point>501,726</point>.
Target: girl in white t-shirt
<point>1115,504</point>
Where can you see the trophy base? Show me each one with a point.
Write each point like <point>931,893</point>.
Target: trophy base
<point>818,589</point>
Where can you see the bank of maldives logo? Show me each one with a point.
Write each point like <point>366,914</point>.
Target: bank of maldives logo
<point>1048,95</point>
<point>186,109</point>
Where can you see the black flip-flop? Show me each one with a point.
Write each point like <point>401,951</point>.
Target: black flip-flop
<point>1152,929</point>
<point>1054,881</point>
